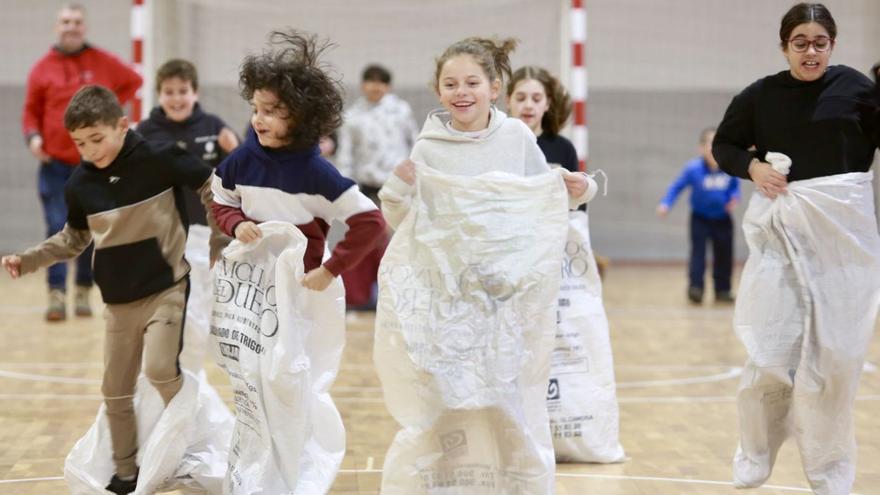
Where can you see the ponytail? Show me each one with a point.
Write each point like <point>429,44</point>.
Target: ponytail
<point>492,55</point>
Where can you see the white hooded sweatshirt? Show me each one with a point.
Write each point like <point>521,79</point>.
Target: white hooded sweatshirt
<point>506,145</point>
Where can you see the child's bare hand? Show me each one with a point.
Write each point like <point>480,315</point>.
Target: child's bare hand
<point>662,211</point>
<point>318,279</point>
<point>247,232</point>
<point>35,146</point>
<point>12,264</point>
<point>406,170</point>
<point>576,184</point>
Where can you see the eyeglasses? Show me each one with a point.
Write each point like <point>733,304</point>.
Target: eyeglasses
<point>820,44</point>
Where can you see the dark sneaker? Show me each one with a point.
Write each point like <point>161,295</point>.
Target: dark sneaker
<point>695,294</point>
<point>724,296</point>
<point>120,486</point>
<point>81,305</point>
<point>57,310</point>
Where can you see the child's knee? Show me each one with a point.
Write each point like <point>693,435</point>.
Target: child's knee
<point>161,369</point>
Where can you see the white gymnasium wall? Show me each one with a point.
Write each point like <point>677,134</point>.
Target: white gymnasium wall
<point>404,36</point>
<point>709,44</point>
<point>659,72</point>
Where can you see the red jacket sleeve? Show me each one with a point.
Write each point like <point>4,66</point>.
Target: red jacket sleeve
<point>364,231</point>
<point>34,102</point>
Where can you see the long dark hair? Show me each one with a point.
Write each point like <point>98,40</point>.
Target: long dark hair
<point>558,101</point>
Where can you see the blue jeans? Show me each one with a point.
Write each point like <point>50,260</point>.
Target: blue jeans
<point>50,180</point>
<point>720,232</point>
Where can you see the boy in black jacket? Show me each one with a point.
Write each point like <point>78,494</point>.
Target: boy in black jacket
<point>125,196</point>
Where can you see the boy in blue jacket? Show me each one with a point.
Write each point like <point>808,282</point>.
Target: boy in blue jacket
<point>714,194</point>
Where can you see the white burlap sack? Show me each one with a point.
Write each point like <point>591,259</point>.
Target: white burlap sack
<point>200,301</point>
<point>464,331</point>
<point>281,345</point>
<point>581,397</point>
<point>182,447</point>
<point>806,311</point>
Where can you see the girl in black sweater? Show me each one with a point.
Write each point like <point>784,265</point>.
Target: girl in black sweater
<point>811,286</point>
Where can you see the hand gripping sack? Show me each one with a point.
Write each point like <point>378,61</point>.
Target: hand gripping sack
<point>464,331</point>
<point>183,446</point>
<point>281,345</point>
<point>581,396</point>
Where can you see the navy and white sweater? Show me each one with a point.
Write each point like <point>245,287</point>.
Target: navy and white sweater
<point>301,187</point>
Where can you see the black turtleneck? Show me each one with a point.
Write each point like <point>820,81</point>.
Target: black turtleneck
<point>827,127</point>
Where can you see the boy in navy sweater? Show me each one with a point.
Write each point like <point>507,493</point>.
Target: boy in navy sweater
<point>714,194</point>
<point>181,121</point>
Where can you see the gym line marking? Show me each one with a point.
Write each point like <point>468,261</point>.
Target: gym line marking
<point>558,475</point>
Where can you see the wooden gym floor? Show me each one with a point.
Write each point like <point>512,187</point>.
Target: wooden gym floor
<point>677,367</point>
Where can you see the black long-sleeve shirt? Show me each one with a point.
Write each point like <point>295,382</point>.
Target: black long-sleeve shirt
<point>875,72</point>
<point>559,150</point>
<point>827,127</point>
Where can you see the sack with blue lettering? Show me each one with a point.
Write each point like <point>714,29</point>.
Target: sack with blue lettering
<point>464,332</point>
<point>581,395</point>
<point>281,345</point>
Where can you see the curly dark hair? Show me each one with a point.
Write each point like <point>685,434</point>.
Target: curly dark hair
<point>559,102</point>
<point>290,68</point>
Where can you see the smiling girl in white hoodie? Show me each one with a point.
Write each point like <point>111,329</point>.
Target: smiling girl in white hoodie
<point>469,136</point>
<point>467,291</point>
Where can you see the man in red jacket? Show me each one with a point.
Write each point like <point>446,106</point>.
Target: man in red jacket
<point>69,65</point>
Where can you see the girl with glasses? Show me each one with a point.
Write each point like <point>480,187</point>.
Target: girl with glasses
<point>810,289</point>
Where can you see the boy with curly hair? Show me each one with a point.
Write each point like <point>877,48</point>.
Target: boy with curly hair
<point>279,174</point>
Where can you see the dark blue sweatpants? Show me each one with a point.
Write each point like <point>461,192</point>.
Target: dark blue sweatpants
<point>720,232</point>
<point>51,179</point>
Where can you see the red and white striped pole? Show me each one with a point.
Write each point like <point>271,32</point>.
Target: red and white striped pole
<point>578,30</point>
<point>137,54</point>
